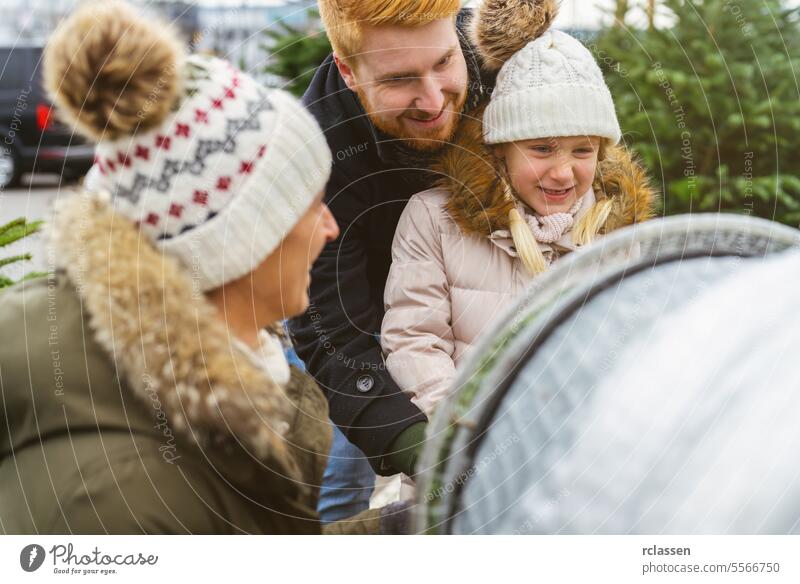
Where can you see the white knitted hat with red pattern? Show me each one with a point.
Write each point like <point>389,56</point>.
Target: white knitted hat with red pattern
<point>213,167</point>
<point>224,178</point>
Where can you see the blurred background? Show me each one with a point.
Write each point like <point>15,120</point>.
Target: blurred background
<point>707,92</point>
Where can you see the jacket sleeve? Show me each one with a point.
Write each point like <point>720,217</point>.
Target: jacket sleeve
<point>417,334</point>
<point>338,337</point>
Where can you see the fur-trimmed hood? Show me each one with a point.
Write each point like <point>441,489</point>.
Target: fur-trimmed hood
<point>165,338</point>
<point>477,203</point>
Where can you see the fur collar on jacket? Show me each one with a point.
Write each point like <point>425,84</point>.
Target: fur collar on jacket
<point>477,203</point>
<point>164,336</point>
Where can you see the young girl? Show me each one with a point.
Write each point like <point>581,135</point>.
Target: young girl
<point>533,176</point>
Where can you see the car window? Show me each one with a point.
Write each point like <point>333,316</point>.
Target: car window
<point>17,67</point>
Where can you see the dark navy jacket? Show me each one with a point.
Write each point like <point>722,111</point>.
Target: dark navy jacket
<point>373,178</point>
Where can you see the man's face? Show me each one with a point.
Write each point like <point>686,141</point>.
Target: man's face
<point>412,81</point>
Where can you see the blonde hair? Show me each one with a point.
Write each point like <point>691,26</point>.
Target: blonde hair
<point>344,19</point>
<point>583,233</point>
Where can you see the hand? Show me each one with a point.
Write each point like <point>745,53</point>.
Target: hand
<point>396,518</point>
<point>405,450</point>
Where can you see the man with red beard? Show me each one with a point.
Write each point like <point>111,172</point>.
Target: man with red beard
<point>389,98</point>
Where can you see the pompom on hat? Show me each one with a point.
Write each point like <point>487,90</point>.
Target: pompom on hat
<point>548,85</point>
<point>212,167</point>
<point>502,27</point>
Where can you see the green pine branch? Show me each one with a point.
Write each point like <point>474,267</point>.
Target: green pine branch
<point>12,232</point>
<point>14,259</point>
<point>17,229</point>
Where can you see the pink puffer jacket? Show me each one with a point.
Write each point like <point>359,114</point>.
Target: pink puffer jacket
<point>454,267</point>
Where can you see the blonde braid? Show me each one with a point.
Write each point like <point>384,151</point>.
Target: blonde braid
<point>526,244</point>
<point>590,224</point>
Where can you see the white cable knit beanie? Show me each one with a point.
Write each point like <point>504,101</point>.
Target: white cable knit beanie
<point>551,87</point>
<point>211,166</point>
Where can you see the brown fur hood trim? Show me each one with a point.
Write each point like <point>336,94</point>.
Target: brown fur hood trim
<point>164,336</point>
<point>477,203</point>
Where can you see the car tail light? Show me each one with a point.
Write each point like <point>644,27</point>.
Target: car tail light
<point>44,117</point>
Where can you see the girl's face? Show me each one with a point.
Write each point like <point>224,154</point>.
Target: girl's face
<point>549,174</point>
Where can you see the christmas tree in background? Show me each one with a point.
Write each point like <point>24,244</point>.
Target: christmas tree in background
<point>712,104</point>
<point>9,233</point>
<point>296,53</point>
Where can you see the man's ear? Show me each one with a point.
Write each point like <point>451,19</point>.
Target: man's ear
<point>346,71</point>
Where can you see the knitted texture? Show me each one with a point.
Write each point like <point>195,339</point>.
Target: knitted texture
<point>552,87</point>
<point>223,178</point>
<point>550,228</point>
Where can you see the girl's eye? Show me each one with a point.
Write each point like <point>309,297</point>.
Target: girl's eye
<point>446,60</point>
<point>541,149</point>
<point>584,151</point>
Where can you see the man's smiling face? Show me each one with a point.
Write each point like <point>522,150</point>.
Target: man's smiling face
<point>412,81</point>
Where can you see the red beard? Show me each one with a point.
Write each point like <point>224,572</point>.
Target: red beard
<point>421,140</point>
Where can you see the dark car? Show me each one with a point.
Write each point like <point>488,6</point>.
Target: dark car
<point>31,139</point>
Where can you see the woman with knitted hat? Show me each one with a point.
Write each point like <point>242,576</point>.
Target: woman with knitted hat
<point>141,393</point>
<point>534,175</point>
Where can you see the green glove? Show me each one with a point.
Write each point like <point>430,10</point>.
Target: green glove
<point>405,450</point>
